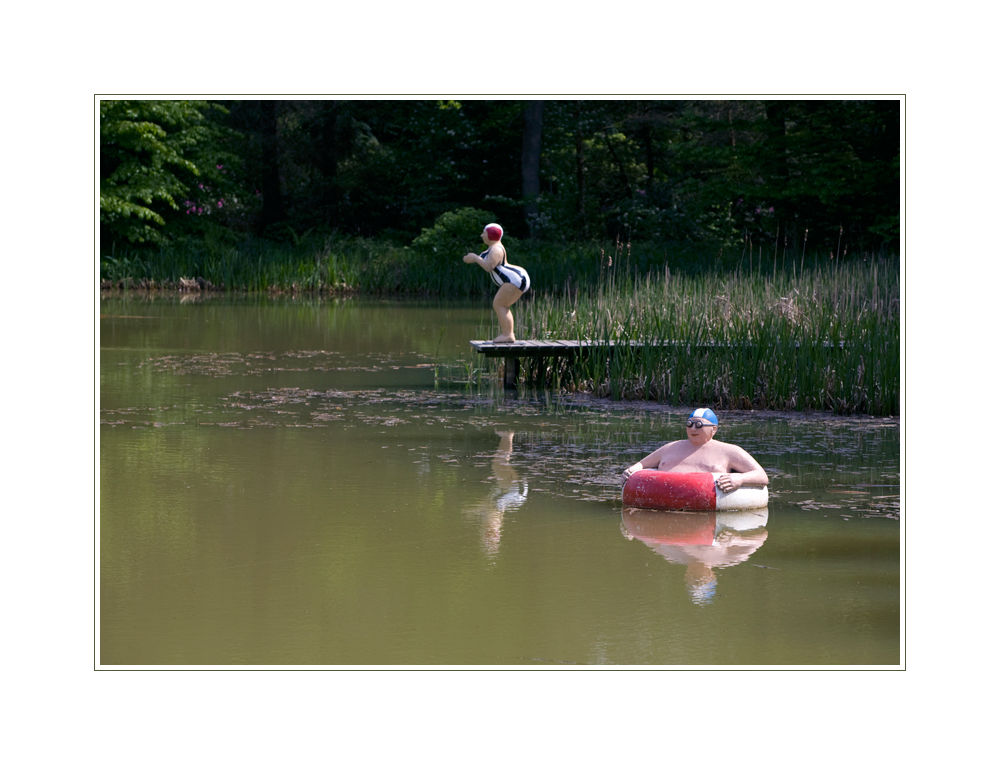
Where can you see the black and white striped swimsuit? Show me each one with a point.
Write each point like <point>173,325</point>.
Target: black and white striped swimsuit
<point>507,274</point>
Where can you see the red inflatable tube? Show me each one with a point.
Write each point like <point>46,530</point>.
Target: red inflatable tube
<point>656,490</point>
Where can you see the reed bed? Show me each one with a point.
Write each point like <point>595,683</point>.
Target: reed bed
<point>826,338</point>
<point>720,330</point>
<point>253,265</point>
<point>316,262</point>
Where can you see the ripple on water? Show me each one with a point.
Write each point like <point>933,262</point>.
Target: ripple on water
<point>583,441</point>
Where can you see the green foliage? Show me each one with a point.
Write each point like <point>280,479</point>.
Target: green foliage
<point>705,173</point>
<point>434,259</point>
<point>453,234</point>
<point>153,154</point>
<point>723,171</point>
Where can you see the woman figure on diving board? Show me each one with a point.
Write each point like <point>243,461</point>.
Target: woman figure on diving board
<point>513,281</point>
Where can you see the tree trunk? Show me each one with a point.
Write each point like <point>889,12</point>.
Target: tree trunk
<point>647,139</point>
<point>776,163</point>
<point>329,156</point>
<point>273,210</point>
<point>581,197</point>
<point>617,161</point>
<point>531,155</point>
<point>777,143</point>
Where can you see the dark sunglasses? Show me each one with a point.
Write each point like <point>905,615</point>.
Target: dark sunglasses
<point>699,424</point>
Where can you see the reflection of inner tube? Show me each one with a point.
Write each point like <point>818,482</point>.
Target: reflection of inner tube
<point>679,528</point>
<point>702,541</point>
<point>673,528</point>
<point>657,490</point>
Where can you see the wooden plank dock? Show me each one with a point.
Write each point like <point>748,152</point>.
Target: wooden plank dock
<point>531,347</point>
<point>513,352</point>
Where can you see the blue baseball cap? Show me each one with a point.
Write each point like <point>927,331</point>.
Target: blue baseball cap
<point>705,414</point>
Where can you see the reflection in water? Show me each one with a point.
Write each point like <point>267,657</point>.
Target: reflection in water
<point>259,504</point>
<point>509,493</point>
<point>702,541</point>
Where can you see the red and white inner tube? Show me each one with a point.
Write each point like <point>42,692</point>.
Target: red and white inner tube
<point>657,490</point>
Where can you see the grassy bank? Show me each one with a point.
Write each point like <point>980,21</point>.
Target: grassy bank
<point>331,263</point>
<point>729,328</point>
<point>826,338</point>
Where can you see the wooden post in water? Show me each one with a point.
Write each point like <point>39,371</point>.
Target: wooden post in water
<point>512,353</point>
<point>511,365</point>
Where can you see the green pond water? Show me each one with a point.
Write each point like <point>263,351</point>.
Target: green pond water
<point>313,482</point>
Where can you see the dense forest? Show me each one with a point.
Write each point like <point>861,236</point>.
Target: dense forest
<point>692,226</point>
<point>778,174</point>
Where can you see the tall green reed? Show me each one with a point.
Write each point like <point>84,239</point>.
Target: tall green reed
<point>250,265</point>
<point>316,261</point>
<point>826,338</point>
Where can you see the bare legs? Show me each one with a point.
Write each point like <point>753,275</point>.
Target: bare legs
<point>506,296</point>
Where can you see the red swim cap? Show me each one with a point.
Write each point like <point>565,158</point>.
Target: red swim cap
<point>493,232</point>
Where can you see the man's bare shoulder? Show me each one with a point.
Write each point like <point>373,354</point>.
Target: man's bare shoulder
<point>672,446</point>
<point>737,455</point>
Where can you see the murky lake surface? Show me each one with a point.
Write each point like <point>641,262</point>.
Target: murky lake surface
<point>307,482</point>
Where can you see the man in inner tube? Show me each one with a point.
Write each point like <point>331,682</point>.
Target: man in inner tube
<point>700,454</point>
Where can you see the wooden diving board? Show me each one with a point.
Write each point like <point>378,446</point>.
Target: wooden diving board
<point>512,352</point>
<point>531,347</point>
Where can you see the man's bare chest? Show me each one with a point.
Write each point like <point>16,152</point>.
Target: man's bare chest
<point>697,461</point>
